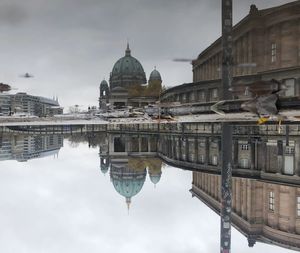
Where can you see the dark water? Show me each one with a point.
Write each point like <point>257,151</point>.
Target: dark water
<point>114,193</point>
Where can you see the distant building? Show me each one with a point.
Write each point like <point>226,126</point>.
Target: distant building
<point>266,46</point>
<point>5,104</point>
<point>28,104</point>
<point>128,84</point>
<point>23,148</point>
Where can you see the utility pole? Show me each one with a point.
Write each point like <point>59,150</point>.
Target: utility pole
<point>226,142</point>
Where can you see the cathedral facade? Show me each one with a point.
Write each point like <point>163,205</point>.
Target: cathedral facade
<point>128,85</point>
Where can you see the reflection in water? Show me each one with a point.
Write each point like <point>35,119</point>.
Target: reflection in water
<point>23,147</point>
<point>266,165</point>
<point>258,152</point>
<point>262,211</point>
<point>129,157</point>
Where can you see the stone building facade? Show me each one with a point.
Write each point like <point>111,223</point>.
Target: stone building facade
<point>266,45</point>
<point>258,151</point>
<point>23,103</point>
<point>262,211</point>
<point>266,201</point>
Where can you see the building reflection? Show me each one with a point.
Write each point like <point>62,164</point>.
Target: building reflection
<point>24,147</point>
<point>128,159</point>
<point>258,151</point>
<point>266,189</point>
<point>266,164</point>
<point>262,211</point>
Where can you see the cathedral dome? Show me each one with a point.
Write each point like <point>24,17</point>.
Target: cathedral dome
<point>155,76</point>
<point>127,182</point>
<point>127,71</point>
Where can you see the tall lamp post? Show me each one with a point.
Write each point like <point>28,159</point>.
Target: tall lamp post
<point>226,142</point>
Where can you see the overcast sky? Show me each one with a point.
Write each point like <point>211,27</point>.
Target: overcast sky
<point>71,45</point>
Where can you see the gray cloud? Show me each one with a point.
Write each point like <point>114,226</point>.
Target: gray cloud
<point>11,14</point>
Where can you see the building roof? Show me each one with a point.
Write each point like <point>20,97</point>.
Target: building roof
<point>48,101</point>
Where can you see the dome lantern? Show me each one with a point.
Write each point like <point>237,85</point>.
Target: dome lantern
<point>127,51</point>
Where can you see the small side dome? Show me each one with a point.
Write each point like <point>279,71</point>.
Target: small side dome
<point>155,76</point>
<point>155,178</point>
<point>104,89</point>
<point>104,83</point>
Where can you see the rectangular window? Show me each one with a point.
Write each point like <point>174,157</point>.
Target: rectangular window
<point>271,201</point>
<point>290,87</point>
<point>245,147</point>
<point>201,95</point>
<point>214,93</point>
<point>289,150</point>
<point>273,52</point>
<point>244,163</point>
<point>214,160</point>
<point>298,206</point>
<point>201,159</point>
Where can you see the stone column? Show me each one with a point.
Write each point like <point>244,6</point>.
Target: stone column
<point>252,152</point>
<point>297,157</point>
<point>264,152</point>
<point>174,147</point>
<point>207,139</point>
<point>179,148</point>
<point>140,144</point>
<point>293,203</point>
<point>187,144</point>
<point>196,150</point>
<point>280,156</point>
<point>170,146</point>
<point>149,144</point>
<point>235,154</point>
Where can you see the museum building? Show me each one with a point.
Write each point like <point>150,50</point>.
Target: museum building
<point>266,46</point>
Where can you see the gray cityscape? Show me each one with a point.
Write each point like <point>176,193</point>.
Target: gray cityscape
<point>150,127</point>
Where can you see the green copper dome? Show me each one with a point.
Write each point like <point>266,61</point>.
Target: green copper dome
<point>127,182</point>
<point>127,71</point>
<point>155,75</point>
<point>155,178</point>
